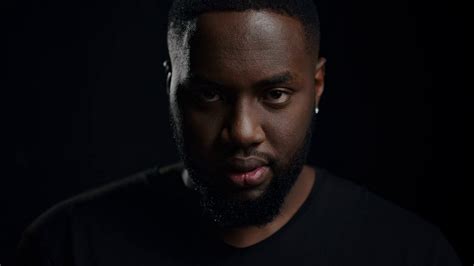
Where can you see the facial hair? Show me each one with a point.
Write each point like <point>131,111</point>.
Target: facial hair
<point>228,212</point>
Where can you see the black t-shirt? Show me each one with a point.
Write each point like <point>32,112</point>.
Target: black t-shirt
<point>152,219</point>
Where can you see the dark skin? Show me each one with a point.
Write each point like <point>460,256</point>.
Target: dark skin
<point>252,84</point>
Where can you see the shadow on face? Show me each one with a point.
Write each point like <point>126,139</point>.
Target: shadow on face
<point>245,87</point>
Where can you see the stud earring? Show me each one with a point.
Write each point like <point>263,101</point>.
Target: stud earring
<point>316,110</point>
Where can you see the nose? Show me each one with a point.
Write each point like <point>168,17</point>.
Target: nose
<point>243,127</point>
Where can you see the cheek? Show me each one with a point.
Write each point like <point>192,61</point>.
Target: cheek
<point>201,131</point>
<point>286,130</point>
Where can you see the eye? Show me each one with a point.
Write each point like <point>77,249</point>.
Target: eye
<point>209,96</point>
<point>277,96</point>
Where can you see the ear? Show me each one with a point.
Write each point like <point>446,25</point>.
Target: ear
<point>167,67</point>
<point>319,73</point>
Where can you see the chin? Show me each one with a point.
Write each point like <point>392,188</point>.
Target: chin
<point>251,194</point>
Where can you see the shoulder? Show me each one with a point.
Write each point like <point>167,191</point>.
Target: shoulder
<point>381,226</point>
<point>112,197</point>
<point>109,206</point>
<point>344,195</point>
<point>123,189</point>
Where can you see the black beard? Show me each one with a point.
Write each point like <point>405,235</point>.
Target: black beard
<point>231,213</point>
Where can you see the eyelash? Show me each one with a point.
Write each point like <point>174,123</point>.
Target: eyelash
<point>286,93</point>
<point>282,92</point>
<point>202,92</point>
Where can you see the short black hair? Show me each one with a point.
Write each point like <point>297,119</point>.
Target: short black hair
<point>183,12</point>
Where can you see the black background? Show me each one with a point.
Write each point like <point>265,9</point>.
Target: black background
<point>87,104</point>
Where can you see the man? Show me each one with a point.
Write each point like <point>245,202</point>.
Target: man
<point>244,82</point>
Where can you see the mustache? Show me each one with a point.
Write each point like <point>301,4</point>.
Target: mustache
<point>253,153</point>
<point>248,153</point>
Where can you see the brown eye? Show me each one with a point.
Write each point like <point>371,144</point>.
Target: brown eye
<point>277,96</point>
<point>209,96</point>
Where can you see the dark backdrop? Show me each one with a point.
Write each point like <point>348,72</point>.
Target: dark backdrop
<point>87,103</point>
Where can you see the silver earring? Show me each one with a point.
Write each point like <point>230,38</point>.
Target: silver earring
<point>316,110</point>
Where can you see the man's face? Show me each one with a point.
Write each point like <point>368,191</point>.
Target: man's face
<point>242,96</point>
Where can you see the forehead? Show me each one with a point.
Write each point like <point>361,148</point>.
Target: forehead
<point>247,44</point>
<point>250,29</point>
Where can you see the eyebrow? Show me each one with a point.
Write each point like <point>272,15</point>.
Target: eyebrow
<point>274,80</point>
<point>277,79</point>
<point>202,81</point>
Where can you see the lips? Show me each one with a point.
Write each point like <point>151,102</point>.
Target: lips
<point>249,179</point>
<point>238,164</point>
<point>246,172</point>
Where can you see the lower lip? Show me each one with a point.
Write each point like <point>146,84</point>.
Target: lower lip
<point>251,178</point>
